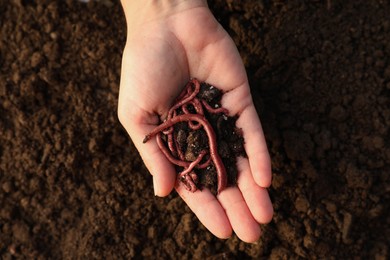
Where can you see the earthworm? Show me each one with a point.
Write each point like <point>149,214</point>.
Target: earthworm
<point>219,166</point>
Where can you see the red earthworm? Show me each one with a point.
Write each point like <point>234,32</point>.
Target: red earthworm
<point>179,162</point>
<point>167,154</point>
<point>192,165</point>
<point>189,182</point>
<point>214,110</point>
<point>179,152</point>
<point>186,99</point>
<point>220,168</point>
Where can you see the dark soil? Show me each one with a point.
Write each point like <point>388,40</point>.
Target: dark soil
<point>73,186</point>
<point>185,141</point>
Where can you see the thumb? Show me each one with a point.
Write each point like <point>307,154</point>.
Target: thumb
<point>139,123</point>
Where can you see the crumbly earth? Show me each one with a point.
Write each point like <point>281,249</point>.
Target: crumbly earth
<point>192,142</point>
<point>72,185</point>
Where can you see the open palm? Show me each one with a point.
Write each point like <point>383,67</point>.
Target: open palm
<point>162,52</point>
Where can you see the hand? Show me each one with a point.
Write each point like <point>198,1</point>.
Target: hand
<point>167,43</point>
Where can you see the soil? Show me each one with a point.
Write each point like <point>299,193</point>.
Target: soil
<point>72,184</point>
<point>186,141</point>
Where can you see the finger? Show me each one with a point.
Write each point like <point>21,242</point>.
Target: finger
<point>138,123</point>
<point>240,217</point>
<point>162,170</point>
<point>208,210</point>
<point>255,146</point>
<point>256,197</point>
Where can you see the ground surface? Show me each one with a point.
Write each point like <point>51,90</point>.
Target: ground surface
<point>73,186</point>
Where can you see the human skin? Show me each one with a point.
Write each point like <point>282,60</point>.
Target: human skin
<point>168,42</point>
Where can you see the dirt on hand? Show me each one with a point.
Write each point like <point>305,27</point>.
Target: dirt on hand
<point>201,139</point>
<point>72,184</point>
